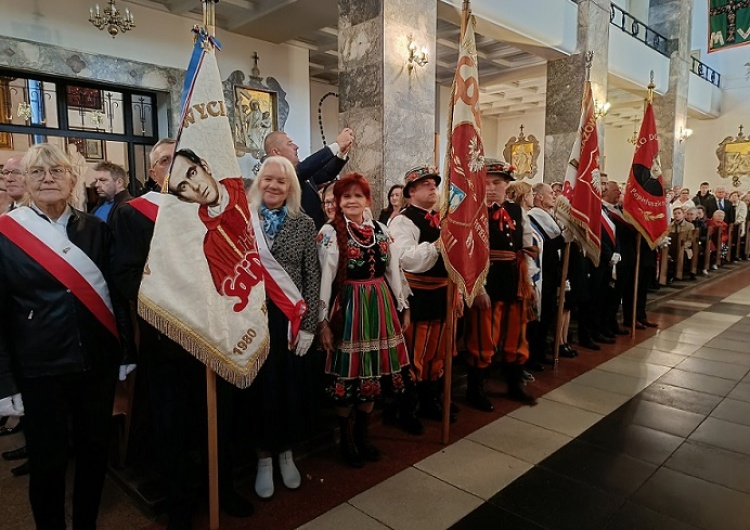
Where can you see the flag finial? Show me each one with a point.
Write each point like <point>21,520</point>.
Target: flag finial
<point>651,86</point>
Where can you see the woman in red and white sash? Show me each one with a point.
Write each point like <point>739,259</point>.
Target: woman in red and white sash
<point>282,395</point>
<point>62,338</point>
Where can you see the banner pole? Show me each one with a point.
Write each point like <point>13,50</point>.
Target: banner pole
<point>209,21</point>
<point>635,284</point>
<point>561,306</point>
<point>450,329</point>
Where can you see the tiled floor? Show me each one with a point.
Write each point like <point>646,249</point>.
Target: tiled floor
<point>650,433</point>
<point>656,438</point>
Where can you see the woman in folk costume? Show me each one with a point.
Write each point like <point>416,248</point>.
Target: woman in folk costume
<point>362,288</point>
<point>282,394</point>
<point>64,337</point>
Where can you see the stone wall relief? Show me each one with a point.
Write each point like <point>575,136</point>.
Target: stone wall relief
<point>734,158</point>
<point>523,152</point>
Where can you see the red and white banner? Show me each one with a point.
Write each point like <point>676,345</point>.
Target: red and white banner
<point>464,234</point>
<point>69,265</point>
<point>579,206</point>
<point>645,203</point>
<point>203,285</point>
<point>148,204</point>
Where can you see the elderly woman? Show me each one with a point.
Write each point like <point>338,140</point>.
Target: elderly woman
<point>362,289</point>
<point>62,338</point>
<point>282,393</point>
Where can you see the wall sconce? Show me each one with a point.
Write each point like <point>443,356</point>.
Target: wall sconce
<point>684,134</point>
<point>419,57</point>
<point>601,108</point>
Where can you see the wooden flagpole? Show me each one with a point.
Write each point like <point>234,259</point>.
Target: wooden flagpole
<point>561,305</point>
<point>209,21</point>
<point>450,319</point>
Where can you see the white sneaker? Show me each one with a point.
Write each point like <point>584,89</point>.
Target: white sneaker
<point>289,472</point>
<point>264,479</point>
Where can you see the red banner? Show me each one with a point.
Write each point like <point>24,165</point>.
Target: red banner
<point>579,206</point>
<point>644,203</point>
<point>464,234</point>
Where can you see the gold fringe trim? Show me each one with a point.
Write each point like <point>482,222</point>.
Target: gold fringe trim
<point>199,348</point>
<point>588,247</point>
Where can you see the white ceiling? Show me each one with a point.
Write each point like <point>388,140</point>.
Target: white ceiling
<point>513,82</point>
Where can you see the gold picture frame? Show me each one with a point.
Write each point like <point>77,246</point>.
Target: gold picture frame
<point>523,152</point>
<point>256,115</point>
<point>734,158</point>
<point>6,138</point>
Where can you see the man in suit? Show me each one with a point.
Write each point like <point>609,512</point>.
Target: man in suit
<point>317,169</point>
<point>724,204</point>
<point>111,182</point>
<point>13,177</point>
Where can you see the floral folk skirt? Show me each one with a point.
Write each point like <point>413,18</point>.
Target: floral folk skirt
<point>370,345</point>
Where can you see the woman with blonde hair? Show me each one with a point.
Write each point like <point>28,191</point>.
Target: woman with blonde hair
<point>282,393</point>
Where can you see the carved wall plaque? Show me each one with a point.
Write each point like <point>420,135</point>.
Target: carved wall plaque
<point>734,158</point>
<point>523,152</point>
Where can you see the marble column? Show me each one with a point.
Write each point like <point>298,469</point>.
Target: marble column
<point>565,78</point>
<point>672,19</point>
<point>390,107</point>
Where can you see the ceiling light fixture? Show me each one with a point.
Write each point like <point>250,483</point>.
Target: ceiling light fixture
<point>111,18</point>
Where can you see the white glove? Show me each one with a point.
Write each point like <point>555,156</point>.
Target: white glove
<point>567,286</point>
<point>125,370</point>
<point>615,259</point>
<point>304,341</point>
<point>11,406</point>
<point>665,242</point>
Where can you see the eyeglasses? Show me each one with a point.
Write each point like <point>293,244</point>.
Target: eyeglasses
<point>38,173</point>
<point>329,203</point>
<point>7,172</point>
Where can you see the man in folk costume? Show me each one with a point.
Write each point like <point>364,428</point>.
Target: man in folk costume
<point>497,320</point>
<point>416,235</point>
<point>176,380</point>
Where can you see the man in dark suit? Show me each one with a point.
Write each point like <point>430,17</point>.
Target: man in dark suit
<point>13,178</point>
<point>706,199</point>
<point>317,169</point>
<point>111,182</point>
<point>724,204</point>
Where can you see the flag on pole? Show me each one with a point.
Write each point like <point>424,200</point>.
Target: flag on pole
<point>464,234</point>
<point>203,284</point>
<point>644,203</point>
<point>579,206</point>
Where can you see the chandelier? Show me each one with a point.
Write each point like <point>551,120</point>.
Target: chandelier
<point>111,18</point>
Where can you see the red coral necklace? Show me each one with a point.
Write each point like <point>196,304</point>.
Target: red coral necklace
<point>361,234</point>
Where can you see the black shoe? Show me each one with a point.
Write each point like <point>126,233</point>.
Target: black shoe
<point>596,337</point>
<point>647,324</point>
<point>349,451</point>
<point>607,334</point>
<point>475,389</point>
<point>362,437</point>
<point>16,454</point>
<point>567,352</point>
<point>21,470</point>
<point>516,387</point>
<point>535,366</point>
<point>589,345</point>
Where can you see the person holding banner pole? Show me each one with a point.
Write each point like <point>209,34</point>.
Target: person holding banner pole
<point>65,336</point>
<point>363,291</point>
<point>282,395</point>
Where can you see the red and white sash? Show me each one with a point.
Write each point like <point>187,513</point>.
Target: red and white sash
<point>279,284</point>
<point>609,227</point>
<point>62,259</point>
<point>148,204</point>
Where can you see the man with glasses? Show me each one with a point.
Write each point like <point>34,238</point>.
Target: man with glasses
<point>160,158</point>
<point>13,179</point>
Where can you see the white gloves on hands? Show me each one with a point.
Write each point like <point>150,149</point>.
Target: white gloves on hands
<point>11,406</point>
<point>125,370</point>
<point>304,341</point>
<point>615,259</point>
<point>665,242</point>
<point>567,286</point>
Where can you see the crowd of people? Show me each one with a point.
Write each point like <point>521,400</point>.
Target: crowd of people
<point>376,328</point>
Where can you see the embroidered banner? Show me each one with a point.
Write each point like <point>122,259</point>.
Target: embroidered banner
<point>728,24</point>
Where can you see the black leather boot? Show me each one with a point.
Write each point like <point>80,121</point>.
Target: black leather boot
<point>429,405</point>
<point>349,451</point>
<point>362,437</point>
<point>408,404</point>
<point>475,390</point>
<point>516,385</point>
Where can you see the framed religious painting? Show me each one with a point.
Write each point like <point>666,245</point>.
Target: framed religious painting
<point>734,158</point>
<point>256,115</point>
<point>523,152</point>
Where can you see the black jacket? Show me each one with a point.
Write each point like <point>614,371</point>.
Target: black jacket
<point>121,198</point>
<point>708,201</point>
<point>44,329</point>
<point>315,170</point>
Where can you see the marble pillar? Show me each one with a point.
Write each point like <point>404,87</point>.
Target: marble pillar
<point>390,107</point>
<point>565,78</point>
<point>672,19</point>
